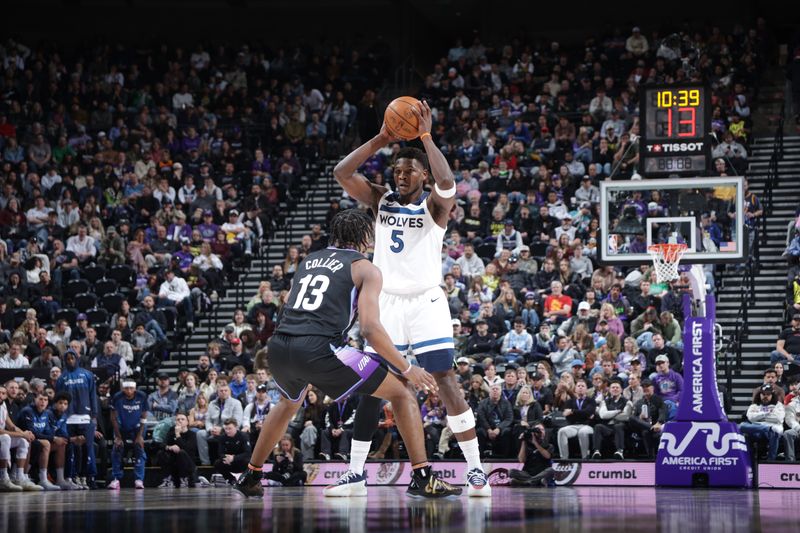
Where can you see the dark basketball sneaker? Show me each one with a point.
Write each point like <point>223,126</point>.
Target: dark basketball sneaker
<point>431,487</point>
<point>249,484</point>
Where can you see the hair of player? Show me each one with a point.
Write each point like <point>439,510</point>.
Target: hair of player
<point>409,152</point>
<point>352,228</point>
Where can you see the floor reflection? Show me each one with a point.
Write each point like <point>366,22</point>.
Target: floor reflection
<point>388,509</point>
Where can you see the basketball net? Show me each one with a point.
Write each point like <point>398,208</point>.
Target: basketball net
<point>666,258</point>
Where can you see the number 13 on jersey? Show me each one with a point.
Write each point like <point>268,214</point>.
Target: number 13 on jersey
<point>318,285</point>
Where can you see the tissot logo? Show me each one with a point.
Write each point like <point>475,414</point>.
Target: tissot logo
<point>675,147</point>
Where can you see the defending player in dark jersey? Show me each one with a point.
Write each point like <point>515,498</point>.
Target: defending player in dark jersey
<point>330,289</point>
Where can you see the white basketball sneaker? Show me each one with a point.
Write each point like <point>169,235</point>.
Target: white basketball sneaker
<point>350,484</point>
<point>478,484</point>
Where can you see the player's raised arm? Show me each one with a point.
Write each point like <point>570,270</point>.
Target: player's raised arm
<point>444,193</point>
<point>355,184</point>
<point>368,280</point>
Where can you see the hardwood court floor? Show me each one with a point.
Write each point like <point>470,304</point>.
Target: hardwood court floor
<point>388,509</point>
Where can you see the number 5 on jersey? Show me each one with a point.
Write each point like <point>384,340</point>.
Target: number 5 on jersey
<point>318,285</point>
<point>398,245</point>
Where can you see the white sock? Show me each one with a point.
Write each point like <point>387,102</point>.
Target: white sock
<point>472,453</point>
<point>60,475</point>
<point>358,455</point>
<point>42,475</point>
<point>19,473</point>
<point>3,473</point>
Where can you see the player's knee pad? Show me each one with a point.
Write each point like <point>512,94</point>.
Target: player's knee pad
<point>461,423</point>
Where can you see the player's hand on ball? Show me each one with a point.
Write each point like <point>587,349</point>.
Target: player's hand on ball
<point>385,136</point>
<point>425,117</point>
<point>421,379</point>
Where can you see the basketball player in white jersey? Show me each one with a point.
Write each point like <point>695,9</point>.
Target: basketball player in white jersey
<point>410,227</point>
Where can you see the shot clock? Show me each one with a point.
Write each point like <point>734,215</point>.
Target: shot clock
<point>675,124</point>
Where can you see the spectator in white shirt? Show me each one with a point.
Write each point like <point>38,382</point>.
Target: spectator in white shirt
<point>50,179</point>
<point>471,264</point>
<point>188,192</point>
<point>82,245</point>
<point>38,217</point>
<point>14,358</point>
<point>237,231</point>
<point>175,292</point>
<point>182,99</point>
<point>67,214</point>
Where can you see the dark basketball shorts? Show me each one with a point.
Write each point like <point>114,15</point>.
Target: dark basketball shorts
<point>296,362</point>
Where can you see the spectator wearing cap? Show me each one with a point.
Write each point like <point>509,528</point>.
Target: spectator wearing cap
<point>582,317</point>
<point>174,291</point>
<point>208,229</point>
<point>237,233</point>
<point>128,417</point>
<point>112,248</point>
<point>765,418</point>
<point>526,263</point>
<point>517,279</point>
<point>637,44</point>
<point>255,412</point>
<point>668,384</point>
<point>163,402</point>
<point>541,392</point>
<point>463,370</point>
<point>183,258</point>
<point>508,239</point>
<point>787,347</point>
<point>238,355</point>
<point>179,229</point>
<point>588,191</point>
<point>517,343</point>
<point>481,343</point>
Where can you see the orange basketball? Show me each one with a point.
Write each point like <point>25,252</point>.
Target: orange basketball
<point>400,120</point>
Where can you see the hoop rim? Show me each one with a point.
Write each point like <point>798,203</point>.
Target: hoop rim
<point>664,246</point>
<point>668,253</point>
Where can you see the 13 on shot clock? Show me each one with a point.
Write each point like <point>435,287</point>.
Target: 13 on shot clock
<point>676,120</point>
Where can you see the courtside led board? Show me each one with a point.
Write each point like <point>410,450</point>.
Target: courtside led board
<point>675,124</point>
<point>703,213</point>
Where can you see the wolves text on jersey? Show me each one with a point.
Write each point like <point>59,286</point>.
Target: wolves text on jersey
<point>401,222</point>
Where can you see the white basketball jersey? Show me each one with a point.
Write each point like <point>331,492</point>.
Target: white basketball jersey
<point>408,246</point>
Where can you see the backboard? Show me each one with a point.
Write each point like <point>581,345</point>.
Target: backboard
<point>703,213</point>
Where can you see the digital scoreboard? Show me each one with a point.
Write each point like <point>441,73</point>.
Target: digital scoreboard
<point>674,124</point>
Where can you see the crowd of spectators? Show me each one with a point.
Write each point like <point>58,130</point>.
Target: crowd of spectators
<point>172,163</point>
<point>135,182</point>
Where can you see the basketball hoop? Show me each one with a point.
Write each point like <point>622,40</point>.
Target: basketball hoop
<point>666,258</point>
